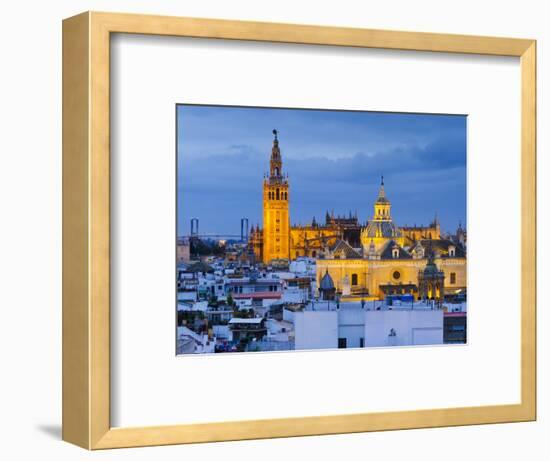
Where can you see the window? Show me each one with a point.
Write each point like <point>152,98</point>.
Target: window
<point>453,278</point>
<point>354,279</point>
<point>342,343</point>
<point>361,342</point>
<point>277,194</point>
<point>395,253</point>
<point>452,251</point>
<point>396,275</point>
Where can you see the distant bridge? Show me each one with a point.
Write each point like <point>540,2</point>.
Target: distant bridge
<point>194,232</point>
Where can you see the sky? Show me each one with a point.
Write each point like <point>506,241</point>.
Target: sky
<point>334,160</point>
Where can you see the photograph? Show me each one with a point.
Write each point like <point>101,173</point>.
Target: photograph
<point>252,224</point>
<point>302,229</point>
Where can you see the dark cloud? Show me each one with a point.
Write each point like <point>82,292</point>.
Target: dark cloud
<point>420,181</point>
<point>334,161</point>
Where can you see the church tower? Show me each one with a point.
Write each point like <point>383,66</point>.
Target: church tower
<point>276,241</point>
<point>381,229</point>
<point>382,206</point>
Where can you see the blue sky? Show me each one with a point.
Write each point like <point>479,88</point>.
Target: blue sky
<point>334,160</point>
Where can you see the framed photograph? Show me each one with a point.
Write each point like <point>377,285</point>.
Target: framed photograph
<point>276,230</point>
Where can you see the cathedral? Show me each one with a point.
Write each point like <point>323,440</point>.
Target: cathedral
<point>278,240</point>
<point>360,261</point>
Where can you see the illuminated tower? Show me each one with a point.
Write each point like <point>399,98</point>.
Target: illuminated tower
<point>382,206</point>
<point>276,218</point>
<point>381,229</point>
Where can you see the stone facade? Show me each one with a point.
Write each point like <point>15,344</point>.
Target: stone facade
<point>385,259</point>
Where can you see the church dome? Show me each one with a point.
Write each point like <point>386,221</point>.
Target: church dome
<point>326,282</point>
<point>431,269</point>
<point>386,229</point>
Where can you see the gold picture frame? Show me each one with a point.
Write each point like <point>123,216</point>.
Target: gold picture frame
<point>86,231</point>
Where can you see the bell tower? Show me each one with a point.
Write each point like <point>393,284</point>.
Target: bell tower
<point>276,241</point>
<point>382,206</point>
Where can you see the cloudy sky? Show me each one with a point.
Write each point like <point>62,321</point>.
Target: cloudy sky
<point>334,160</point>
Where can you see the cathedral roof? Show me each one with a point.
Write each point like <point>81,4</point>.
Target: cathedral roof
<point>326,282</point>
<point>385,229</point>
<point>441,247</point>
<point>343,248</point>
<point>387,252</point>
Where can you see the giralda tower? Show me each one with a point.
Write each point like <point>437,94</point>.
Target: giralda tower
<point>276,218</point>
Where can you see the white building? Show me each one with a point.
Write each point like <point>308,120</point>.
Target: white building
<point>403,327</point>
<point>189,342</point>
<point>325,325</point>
<point>316,329</point>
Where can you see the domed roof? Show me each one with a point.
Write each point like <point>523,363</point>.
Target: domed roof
<point>431,269</point>
<point>326,282</point>
<point>385,229</point>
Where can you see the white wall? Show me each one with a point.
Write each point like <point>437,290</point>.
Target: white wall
<point>411,327</point>
<point>351,324</point>
<point>316,329</point>
<point>30,187</point>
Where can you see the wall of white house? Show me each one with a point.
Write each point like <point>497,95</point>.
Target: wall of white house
<point>411,327</point>
<point>316,330</point>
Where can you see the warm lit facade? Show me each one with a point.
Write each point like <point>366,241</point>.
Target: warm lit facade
<point>389,263</point>
<point>381,228</point>
<point>369,261</point>
<point>311,240</point>
<point>276,225</point>
<point>278,239</point>
<point>369,278</point>
<point>415,233</point>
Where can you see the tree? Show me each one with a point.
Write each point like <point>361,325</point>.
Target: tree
<point>213,301</point>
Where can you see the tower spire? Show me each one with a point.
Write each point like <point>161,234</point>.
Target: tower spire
<point>381,191</point>
<point>382,205</point>
<point>276,162</point>
<point>276,222</point>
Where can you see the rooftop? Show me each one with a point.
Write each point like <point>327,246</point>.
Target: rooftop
<point>256,320</point>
